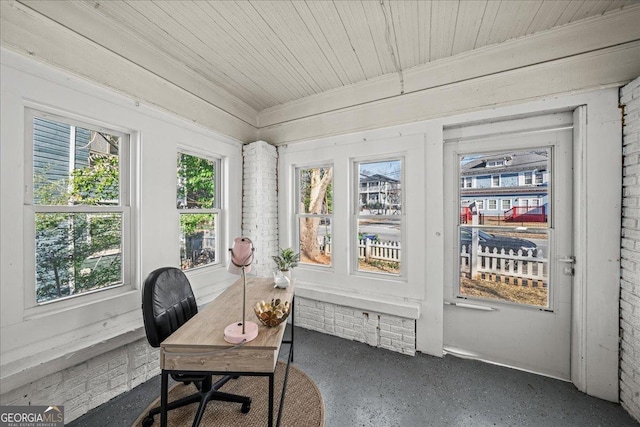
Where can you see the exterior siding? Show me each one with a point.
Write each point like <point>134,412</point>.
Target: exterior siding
<point>51,142</point>
<point>509,180</point>
<point>483,182</point>
<point>51,148</point>
<point>83,138</point>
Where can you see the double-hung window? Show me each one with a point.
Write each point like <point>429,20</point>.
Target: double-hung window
<point>528,178</point>
<point>198,203</point>
<point>314,214</point>
<point>379,219</point>
<point>78,199</point>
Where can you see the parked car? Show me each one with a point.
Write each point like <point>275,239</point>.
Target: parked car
<point>496,241</point>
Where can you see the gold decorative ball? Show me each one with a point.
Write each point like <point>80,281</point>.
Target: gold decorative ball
<point>272,313</point>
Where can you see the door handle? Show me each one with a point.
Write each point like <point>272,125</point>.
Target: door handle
<point>568,270</point>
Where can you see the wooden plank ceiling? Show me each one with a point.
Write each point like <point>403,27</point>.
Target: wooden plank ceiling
<point>267,53</point>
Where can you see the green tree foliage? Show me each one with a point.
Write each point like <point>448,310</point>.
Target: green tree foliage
<point>195,190</point>
<point>97,184</point>
<point>77,252</point>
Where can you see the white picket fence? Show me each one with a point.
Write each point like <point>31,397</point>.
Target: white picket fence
<point>369,249</point>
<point>519,268</point>
<point>385,251</point>
<point>508,267</point>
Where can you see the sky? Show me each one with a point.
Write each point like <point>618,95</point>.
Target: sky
<point>387,168</point>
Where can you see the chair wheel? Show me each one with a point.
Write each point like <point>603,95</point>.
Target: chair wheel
<point>246,407</point>
<point>147,421</point>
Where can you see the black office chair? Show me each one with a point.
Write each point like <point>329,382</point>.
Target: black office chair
<point>167,303</point>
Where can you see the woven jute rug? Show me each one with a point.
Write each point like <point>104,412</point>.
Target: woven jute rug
<point>303,405</point>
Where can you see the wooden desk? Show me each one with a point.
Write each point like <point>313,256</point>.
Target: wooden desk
<point>199,345</point>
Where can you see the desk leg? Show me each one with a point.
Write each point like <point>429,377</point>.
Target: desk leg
<point>164,397</point>
<point>293,322</point>
<point>271,383</point>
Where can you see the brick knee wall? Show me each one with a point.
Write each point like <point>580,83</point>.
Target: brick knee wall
<point>91,383</point>
<point>376,329</point>
<point>630,253</point>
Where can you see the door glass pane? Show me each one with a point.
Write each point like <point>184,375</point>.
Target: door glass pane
<point>504,242</point>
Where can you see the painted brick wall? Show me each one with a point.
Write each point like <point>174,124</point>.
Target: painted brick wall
<point>260,204</point>
<point>630,253</point>
<point>376,329</point>
<point>92,383</point>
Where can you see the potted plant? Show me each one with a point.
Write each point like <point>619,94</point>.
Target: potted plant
<point>286,260</point>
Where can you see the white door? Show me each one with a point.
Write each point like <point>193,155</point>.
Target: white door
<point>508,279</point>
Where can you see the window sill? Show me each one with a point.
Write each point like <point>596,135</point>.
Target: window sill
<point>380,304</point>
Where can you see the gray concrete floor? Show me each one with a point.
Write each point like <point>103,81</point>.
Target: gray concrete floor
<point>366,386</point>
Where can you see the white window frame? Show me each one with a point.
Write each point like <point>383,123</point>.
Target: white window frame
<point>300,215</point>
<point>216,210</point>
<point>489,203</point>
<point>508,202</point>
<point>124,208</point>
<point>480,204</point>
<point>355,206</point>
<point>467,182</point>
<point>539,178</point>
<point>493,184</point>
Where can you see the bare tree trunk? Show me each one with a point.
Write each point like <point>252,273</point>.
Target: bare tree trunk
<point>309,238</point>
<point>309,228</point>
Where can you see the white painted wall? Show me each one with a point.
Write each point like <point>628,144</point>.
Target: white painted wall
<point>597,240</point>
<point>66,333</point>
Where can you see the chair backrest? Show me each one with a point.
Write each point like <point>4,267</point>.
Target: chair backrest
<point>167,303</point>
